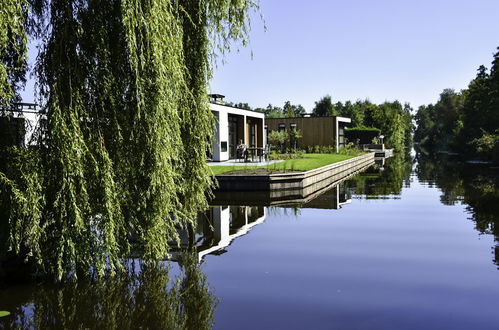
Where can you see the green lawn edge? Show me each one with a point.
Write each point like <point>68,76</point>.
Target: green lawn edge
<point>309,162</point>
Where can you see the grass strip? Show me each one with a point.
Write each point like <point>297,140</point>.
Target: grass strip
<point>309,162</point>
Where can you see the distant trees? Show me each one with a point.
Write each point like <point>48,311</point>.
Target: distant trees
<point>465,122</point>
<point>289,110</point>
<point>393,119</point>
<point>438,124</point>
<point>324,107</point>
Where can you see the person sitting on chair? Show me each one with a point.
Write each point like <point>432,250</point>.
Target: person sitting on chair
<point>242,150</point>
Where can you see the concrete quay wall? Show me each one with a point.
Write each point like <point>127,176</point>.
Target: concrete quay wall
<point>322,176</point>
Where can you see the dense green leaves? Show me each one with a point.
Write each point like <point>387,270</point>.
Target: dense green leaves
<point>324,107</point>
<point>392,119</point>
<point>13,48</point>
<point>465,122</point>
<point>152,298</point>
<point>121,164</point>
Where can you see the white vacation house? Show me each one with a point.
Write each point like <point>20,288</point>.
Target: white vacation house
<point>234,125</point>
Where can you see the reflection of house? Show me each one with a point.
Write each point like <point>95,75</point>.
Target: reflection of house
<point>234,125</point>
<point>218,227</point>
<point>316,131</point>
<point>333,198</point>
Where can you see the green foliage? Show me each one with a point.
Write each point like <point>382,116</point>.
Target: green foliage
<point>438,124</point>
<point>364,129</point>
<point>288,111</point>
<point>350,149</point>
<point>291,110</point>
<point>273,112</point>
<point>13,48</point>
<point>320,149</point>
<point>293,136</point>
<point>123,156</point>
<point>151,298</point>
<point>4,313</point>
<point>362,134</point>
<point>277,139</point>
<point>474,185</point>
<point>274,155</point>
<point>383,181</point>
<point>464,122</point>
<point>487,146</point>
<point>354,111</point>
<point>324,107</point>
<point>391,119</point>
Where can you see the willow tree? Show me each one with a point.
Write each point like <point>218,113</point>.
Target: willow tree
<point>120,164</point>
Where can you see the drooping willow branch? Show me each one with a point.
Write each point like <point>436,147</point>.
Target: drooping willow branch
<point>121,164</point>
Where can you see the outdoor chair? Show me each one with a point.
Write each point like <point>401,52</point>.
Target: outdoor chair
<point>242,154</point>
<point>265,153</point>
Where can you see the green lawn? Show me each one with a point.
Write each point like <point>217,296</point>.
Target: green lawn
<point>310,162</point>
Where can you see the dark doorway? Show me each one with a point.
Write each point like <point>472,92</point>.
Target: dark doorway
<point>233,134</point>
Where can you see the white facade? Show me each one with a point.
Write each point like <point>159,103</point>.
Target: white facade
<point>234,125</point>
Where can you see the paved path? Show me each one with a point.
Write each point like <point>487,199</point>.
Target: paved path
<point>234,162</point>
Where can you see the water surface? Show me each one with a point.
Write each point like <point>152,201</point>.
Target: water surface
<point>404,245</point>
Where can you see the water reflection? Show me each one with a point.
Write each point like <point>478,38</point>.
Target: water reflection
<point>217,228</point>
<point>384,180</point>
<point>149,298</point>
<point>344,266</point>
<point>220,225</point>
<point>474,185</point>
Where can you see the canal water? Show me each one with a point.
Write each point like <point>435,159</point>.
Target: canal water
<point>409,244</point>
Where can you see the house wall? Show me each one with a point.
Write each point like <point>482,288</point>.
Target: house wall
<point>316,131</point>
<point>221,131</point>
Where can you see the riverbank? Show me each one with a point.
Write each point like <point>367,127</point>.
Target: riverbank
<point>309,162</point>
<point>294,180</point>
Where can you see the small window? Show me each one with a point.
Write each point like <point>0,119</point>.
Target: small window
<point>281,127</point>
<point>223,146</point>
<point>293,126</point>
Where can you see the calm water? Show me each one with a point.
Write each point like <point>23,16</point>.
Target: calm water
<point>406,245</point>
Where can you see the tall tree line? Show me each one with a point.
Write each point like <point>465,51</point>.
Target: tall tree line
<point>271,111</point>
<point>467,121</point>
<point>392,118</point>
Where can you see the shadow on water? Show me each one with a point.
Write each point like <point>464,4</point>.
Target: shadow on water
<point>473,185</point>
<point>151,298</point>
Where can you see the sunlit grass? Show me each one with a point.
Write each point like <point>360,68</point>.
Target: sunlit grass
<point>309,162</point>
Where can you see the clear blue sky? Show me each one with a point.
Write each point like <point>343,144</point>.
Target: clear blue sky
<point>357,49</point>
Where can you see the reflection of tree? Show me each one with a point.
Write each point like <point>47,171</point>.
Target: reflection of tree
<point>144,299</point>
<point>383,180</point>
<point>476,186</point>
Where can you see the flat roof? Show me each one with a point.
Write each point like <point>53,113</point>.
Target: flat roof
<point>343,119</point>
<point>234,110</point>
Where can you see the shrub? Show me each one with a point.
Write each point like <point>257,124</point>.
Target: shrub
<point>362,134</point>
<point>487,146</point>
<point>278,139</point>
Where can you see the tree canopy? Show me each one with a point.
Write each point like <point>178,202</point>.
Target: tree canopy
<point>324,107</point>
<point>122,156</point>
<point>466,122</point>
<point>391,118</point>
